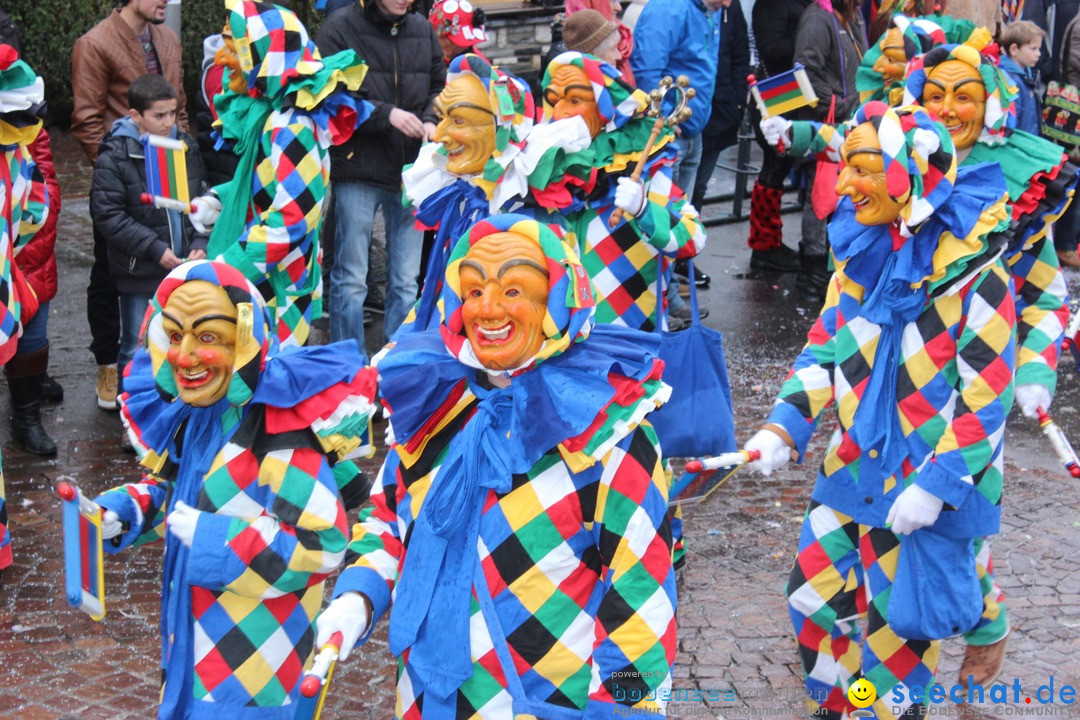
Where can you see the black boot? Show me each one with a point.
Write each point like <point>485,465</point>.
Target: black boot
<point>812,279</point>
<point>25,374</point>
<point>51,391</point>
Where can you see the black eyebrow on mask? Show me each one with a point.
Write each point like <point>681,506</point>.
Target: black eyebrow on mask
<point>867,150</point>
<point>522,262</point>
<point>464,104</point>
<point>935,83</point>
<point>475,266</point>
<point>209,318</point>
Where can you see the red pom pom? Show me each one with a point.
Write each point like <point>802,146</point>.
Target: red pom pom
<point>8,55</point>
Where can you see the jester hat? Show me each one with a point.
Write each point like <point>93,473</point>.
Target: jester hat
<point>616,101</point>
<point>920,161</point>
<point>22,99</point>
<point>254,338</point>
<point>920,35</point>
<point>1001,94</point>
<point>570,305</point>
<point>279,59</point>
<point>510,100</point>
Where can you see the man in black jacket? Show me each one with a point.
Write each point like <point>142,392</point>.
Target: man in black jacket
<point>405,73</point>
<point>774,23</point>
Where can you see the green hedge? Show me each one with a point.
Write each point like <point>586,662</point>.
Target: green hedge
<point>49,29</point>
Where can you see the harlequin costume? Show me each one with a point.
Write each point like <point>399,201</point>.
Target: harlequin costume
<point>623,262</point>
<point>538,562</point>
<point>1041,183</point>
<point>914,348</point>
<point>297,105</point>
<point>261,464</point>
<point>527,173</point>
<point>918,36</point>
<point>25,206</point>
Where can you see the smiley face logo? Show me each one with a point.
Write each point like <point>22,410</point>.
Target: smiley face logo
<point>862,693</point>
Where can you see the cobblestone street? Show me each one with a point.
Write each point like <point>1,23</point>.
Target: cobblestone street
<point>735,641</point>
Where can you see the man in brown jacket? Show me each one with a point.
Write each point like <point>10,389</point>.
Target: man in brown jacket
<point>129,43</point>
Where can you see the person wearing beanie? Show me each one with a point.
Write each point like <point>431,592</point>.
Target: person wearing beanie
<point>587,31</point>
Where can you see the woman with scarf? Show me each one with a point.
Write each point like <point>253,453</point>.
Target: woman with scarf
<point>914,350</point>
<point>282,108</point>
<point>246,479</point>
<point>526,481</point>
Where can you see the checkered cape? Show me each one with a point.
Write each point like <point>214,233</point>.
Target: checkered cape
<point>578,567</point>
<point>954,390</point>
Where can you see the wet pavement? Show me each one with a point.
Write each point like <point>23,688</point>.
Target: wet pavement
<point>735,642</point>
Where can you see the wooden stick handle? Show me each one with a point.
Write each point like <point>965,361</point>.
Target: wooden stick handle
<point>658,126</point>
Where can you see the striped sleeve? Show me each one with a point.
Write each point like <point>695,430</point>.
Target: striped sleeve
<point>670,223</point>
<point>140,506</point>
<point>1042,311</point>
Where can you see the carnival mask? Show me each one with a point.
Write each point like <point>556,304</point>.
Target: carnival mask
<point>227,58</point>
<point>466,125</point>
<point>200,322</point>
<point>893,61</point>
<point>955,93</point>
<point>570,94</point>
<point>862,178</point>
<point>504,292</point>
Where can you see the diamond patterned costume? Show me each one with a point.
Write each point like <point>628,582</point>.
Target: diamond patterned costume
<point>296,108</point>
<point>264,466</point>
<point>938,303</point>
<point>568,600</point>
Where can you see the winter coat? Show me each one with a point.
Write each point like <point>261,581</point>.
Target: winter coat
<point>138,235</point>
<point>1028,105</point>
<point>775,23</point>
<point>104,62</point>
<point>817,46</point>
<point>405,70</point>
<point>678,37</point>
<point>38,259</point>
<point>732,67</point>
<point>1067,62</point>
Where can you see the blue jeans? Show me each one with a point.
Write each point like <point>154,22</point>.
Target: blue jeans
<point>35,333</point>
<point>355,205</point>
<point>132,310</point>
<point>685,170</point>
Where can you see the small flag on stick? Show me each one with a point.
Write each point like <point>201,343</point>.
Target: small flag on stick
<point>166,173</point>
<point>782,93</point>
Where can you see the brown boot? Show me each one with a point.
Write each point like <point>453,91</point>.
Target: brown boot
<point>983,663</point>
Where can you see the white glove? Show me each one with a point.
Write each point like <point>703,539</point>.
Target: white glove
<point>630,196</point>
<point>347,614</point>
<point>110,525</point>
<point>204,212</point>
<point>915,508</point>
<point>1030,397</point>
<point>774,451</point>
<point>182,521</point>
<point>777,130</point>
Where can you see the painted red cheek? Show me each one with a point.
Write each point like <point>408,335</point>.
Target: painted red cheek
<point>210,357</point>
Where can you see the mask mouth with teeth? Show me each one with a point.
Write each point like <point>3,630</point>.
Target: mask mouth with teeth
<point>514,295</point>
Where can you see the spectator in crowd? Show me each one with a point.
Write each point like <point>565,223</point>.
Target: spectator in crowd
<point>610,9</point>
<point>406,72</point>
<point>144,242</point>
<point>774,23</point>
<point>1067,70</point>
<point>830,42</point>
<point>459,27</point>
<point>130,42</point>
<point>587,31</point>
<point>1021,45</point>
<point>729,94</point>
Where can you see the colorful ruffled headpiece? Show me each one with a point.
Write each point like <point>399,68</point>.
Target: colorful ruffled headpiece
<point>254,338</point>
<point>22,99</point>
<point>920,161</point>
<point>570,305</point>
<point>1001,94</point>
<point>278,58</point>
<point>616,101</point>
<point>920,35</point>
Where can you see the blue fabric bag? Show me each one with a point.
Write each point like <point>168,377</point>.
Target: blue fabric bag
<point>698,420</point>
<point>936,591</point>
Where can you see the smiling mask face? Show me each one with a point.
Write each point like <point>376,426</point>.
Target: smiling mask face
<point>893,61</point>
<point>955,93</point>
<point>227,58</point>
<point>504,291</point>
<point>863,178</point>
<point>200,322</point>
<point>466,125</point>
